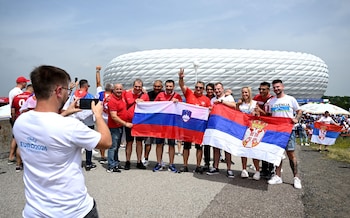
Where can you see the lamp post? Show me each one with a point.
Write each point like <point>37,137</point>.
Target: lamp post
<point>195,65</point>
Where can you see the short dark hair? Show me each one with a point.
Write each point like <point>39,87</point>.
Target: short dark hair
<point>83,82</point>
<point>211,85</point>
<point>170,81</point>
<point>265,84</point>
<point>45,79</point>
<point>277,81</point>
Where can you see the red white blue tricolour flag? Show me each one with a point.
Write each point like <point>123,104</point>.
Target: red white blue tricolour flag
<point>240,134</point>
<point>166,119</point>
<point>325,134</point>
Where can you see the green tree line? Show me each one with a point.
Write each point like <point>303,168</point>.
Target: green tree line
<point>340,101</point>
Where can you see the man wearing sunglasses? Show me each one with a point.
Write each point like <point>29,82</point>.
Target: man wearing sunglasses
<point>195,97</point>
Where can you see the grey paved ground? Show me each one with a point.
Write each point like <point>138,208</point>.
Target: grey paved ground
<point>143,193</point>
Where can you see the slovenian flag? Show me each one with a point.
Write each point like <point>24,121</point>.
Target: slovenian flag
<point>325,134</point>
<point>263,138</point>
<point>166,119</point>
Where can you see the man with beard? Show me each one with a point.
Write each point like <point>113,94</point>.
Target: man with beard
<point>284,105</point>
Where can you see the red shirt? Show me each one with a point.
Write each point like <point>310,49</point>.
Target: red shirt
<point>118,105</point>
<point>261,101</point>
<point>18,101</point>
<point>130,98</point>
<point>163,96</point>
<point>191,98</point>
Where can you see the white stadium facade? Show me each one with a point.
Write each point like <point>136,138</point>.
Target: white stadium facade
<point>305,76</point>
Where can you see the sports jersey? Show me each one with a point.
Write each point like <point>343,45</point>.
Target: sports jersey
<point>283,107</point>
<point>130,99</point>
<point>163,96</point>
<point>45,180</point>
<point>104,98</point>
<point>118,105</point>
<point>18,101</point>
<point>191,98</point>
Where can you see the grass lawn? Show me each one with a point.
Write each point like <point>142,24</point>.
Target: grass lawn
<point>340,151</point>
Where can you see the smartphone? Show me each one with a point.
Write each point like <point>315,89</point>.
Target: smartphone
<point>86,103</point>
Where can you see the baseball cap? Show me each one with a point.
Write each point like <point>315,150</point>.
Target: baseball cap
<point>22,79</point>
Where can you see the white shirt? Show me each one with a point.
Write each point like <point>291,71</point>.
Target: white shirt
<point>50,147</point>
<point>326,120</point>
<point>228,98</point>
<point>248,108</point>
<point>284,107</point>
<point>13,92</point>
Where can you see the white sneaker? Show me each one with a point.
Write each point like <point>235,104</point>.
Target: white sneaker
<point>244,174</point>
<point>297,183</point>
<point>307,144</point>
<point>275,180</point>
<point>256,175</point>
<point>144,162</point>
<point>302,144</point>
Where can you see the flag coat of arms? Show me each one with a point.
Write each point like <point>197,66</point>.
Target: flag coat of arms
<point>325,134</point>
<point>166,119</point>
<point>263,138</point>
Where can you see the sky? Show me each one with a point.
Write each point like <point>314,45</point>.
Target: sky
<point>78,35</point>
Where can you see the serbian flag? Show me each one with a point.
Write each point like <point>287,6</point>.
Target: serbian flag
<point>263,138</point>
<point>325,134</point>
<point>166,119</point>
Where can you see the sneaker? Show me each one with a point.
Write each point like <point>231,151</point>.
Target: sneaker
<point>127,165</point>
<point>145,162</point>
<point>157,167</point>
<point>256,176</point>
<point>103,161</point>
<point>297,183</point>
<point>213,171</point>
<point>275,180</point>
<point>18,169</point>
<point>206,168</point>
<point>229,174</point>
<point>92,166</point>
<point>140,166</point>
<point>244,174</point>
<point>307,144</point>
<point>302,144</point>
<point>163,165</point>
<point>172,168</point>
<point>184,169</point>
<point>198,170</point>
<point>113,170</point>
<point>9,162</point>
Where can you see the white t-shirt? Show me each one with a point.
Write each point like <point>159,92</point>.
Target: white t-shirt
<point>248,108</point>
<point>284,107</point>
<point>228,98</point>
<point>50,147</point>
<point>13,92</point>
<point>326,120</point>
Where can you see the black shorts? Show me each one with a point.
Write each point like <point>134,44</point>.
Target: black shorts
<point>171,142</point>
<point>188,145</point>
<point>129,137</point>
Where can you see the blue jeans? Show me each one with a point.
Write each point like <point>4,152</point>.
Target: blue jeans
<point>113,159</point>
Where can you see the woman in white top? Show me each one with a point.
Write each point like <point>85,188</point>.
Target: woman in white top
<point>249,106</point>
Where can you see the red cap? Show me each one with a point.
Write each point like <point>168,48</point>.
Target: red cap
<point>22,79</point>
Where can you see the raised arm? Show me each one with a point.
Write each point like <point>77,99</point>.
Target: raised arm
<point>98,76</point>
<point>181,80</point>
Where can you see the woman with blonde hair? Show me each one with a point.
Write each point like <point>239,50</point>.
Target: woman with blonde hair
<point>247,105</point>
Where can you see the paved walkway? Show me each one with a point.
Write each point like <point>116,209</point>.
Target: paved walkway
<point>143,193</point>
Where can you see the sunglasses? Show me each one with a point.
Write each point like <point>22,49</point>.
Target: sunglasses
<point>199,87</point>
<point>261,89</point>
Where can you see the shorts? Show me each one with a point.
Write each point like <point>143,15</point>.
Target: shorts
<point>291,142</point>
<point>188,145</point>
<point>150,140</point>
<point>129,137</point>
<point>171,142</point>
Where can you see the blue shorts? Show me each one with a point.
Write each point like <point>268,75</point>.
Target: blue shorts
<point>291,142</point>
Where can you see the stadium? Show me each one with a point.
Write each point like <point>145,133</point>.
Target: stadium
<point>305,76</point>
